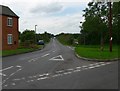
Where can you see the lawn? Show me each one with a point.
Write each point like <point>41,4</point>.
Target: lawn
<point>95,53</point>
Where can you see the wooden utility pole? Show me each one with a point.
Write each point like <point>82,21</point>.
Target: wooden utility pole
<point>110,26</point>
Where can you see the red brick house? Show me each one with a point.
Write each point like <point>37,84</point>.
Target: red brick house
<point>8,29</point>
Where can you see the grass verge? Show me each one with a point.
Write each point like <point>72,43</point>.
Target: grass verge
<point>18,51</point>
<point>93,52</point>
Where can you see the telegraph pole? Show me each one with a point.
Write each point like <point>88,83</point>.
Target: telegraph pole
<point>110,25</point>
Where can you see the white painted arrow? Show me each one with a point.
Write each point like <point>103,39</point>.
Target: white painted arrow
<point>57,58</point>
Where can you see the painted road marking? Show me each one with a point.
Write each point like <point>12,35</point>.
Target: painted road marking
<point>84,66</point>
<point>67,73</point>
<point>5,85</point>
<point>7,68</point>
<point>70,69</point>
<point>78,67</point>
<point>42,78</point>
<point>72,48</point>
<point>76,70</point>
<point>13,84</point>
<point>1,74</point>
<point>64,72</point>
<point>60,71</point>
<point>34,59</point>
<point>54,51</point>
<point>16,79</point>
<point>57,58</point>
<point>11,75</point>
<point>18,66</point>
<point>46,55</point>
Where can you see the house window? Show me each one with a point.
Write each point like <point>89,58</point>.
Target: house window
<point>9,38</point>
<point>9,21</point>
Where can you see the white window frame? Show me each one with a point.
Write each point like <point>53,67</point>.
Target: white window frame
<point>10,39</point>
<point>9,21</point>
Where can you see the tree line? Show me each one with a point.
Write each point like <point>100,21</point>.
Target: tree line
<point>95,28</point>
<point>29,38</point>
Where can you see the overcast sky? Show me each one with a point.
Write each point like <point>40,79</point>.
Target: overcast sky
<point>53,16</point>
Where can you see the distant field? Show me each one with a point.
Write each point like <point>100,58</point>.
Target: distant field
<point>95,53</point>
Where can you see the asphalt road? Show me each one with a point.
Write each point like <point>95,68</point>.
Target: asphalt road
<point>57,67</point>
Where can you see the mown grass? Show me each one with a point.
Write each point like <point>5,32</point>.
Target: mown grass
<point>18,51</point>
<point>94,52</point>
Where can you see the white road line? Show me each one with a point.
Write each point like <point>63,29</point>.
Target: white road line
<point>67,73</point>
<point>57,58</point>
<point>46,74</point>
<point>31,80</point>
<point>11,75</point>
<point>1,74</point>
<point>18,66</point>
<point>91,64</point>
<point>5,85</point>
<point>72,48</point>
<point>76,70</point>
<point>78,67</point>
<point>97,66</point>
<point>70,69</point>
<point>60,71</point>
<point>54,51</point>
<point>84,66</point>
<point>42,78</point>
<point>13,84</point>
<point>7,68</point>
<point>91,67</point>
<point>102,64</point>
<point>16,79</point>
<point>97,63</point>
<point>46,55</point>
<point>108,63</point>
<point>34,59</point>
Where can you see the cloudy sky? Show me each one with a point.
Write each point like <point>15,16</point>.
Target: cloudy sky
<point>53,16</point>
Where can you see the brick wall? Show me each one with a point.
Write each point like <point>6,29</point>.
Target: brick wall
<point>0,32</point>
<point>9,30</point>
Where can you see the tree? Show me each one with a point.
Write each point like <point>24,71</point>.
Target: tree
<point>45,36</point>
<point>116,22</point>
<point>28,36</point>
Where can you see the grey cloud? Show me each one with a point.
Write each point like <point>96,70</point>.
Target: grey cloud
<point>50,8</point>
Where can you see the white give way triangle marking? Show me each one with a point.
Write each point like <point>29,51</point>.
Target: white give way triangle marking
<point>57,58</point>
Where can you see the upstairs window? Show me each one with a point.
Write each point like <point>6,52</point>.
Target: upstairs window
<point>9,39</point>
<point>9,21</point>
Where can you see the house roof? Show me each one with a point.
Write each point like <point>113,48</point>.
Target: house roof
<point>4,10</point>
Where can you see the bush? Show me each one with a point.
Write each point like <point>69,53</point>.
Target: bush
<point>34,46</point>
